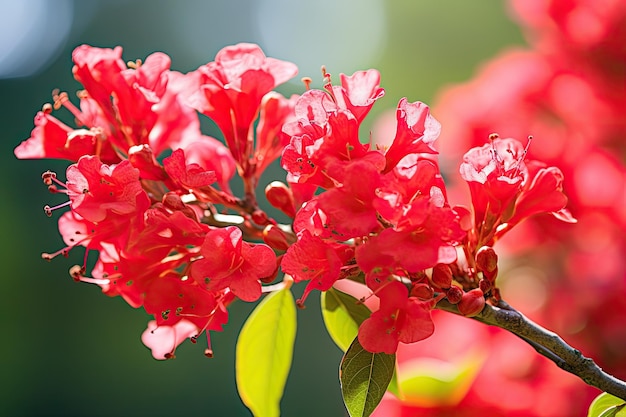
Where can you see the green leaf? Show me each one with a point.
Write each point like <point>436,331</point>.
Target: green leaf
<point>364,378</point>
<point>264,351</point>
<point>607,405</point>
<point>343,314</point>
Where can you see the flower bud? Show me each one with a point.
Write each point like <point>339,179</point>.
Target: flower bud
<point>486,259</point>
<point>472,302</point>
<point>260,217</point>
<point>142,158</point>
<point>484,285</point>
<point>442,276</point>
<point>275,238</point>
<point>281,197</point>
<point>454,294</point>
<point>491,276</point>
<point>422,291</point>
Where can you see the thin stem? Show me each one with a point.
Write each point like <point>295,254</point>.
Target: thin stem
<point>547,343</point>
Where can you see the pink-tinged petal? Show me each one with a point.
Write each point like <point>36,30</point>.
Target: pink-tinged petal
<point>358,92</point>
<point>260,259</point>
<point>99,70</point>
<point>416,132</point>
<point>187,176</point>
<point>151,76</point>
<point>163,340</point>
<point>53,139</point>
<point>240,57</point>
<point>275,111</point>
<point>314,106</point>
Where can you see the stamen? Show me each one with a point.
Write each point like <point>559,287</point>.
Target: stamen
<point>61,100</point>
<point>48,210</point>
<point>325,74</point>
<point>328,85</point>
<point>49,256</point>
<point>494,152</point>
<point>208,352</point>
<point>307,83</point>
<point>134,64</point>
<point>48,177</point>
<point>530,139</point>
<point>77,272</point>
<point>523,155</point>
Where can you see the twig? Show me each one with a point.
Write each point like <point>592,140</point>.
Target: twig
<point>548,344</point>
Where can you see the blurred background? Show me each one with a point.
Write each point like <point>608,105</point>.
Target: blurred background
<point>67,350</point>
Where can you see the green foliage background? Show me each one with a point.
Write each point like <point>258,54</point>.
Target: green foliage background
<point>66,349</point>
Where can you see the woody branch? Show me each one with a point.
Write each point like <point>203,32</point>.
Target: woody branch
<point>547,343</point>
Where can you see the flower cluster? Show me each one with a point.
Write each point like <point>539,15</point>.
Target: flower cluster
<point>146,185</point>
<point>151,194</point>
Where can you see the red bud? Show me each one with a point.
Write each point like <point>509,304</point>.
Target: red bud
<point>454,294</point>
<point>281,197</point>
<point>442,276</point>
<point>275,238</point>
<point>484,285</point>
<point>486,259</point>
<point>472,303</point>
<point>422,291</point>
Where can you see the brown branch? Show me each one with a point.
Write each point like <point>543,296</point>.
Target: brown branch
<point>547,343</point>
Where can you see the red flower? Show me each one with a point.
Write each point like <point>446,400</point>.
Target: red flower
<point>314,260</point>
<point>400,318</point>
<point>232,88</point>
<point>322,135</point>
<point>96,189</point>
<point>416,132</point>
<point>349,207</point>
<point>120,107</point>
<point>426,239</point>
<point>53,139</point>
<point>495,173</point>
<point>358,92</point>
<point>229,262</point>
<point>505,191</point>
